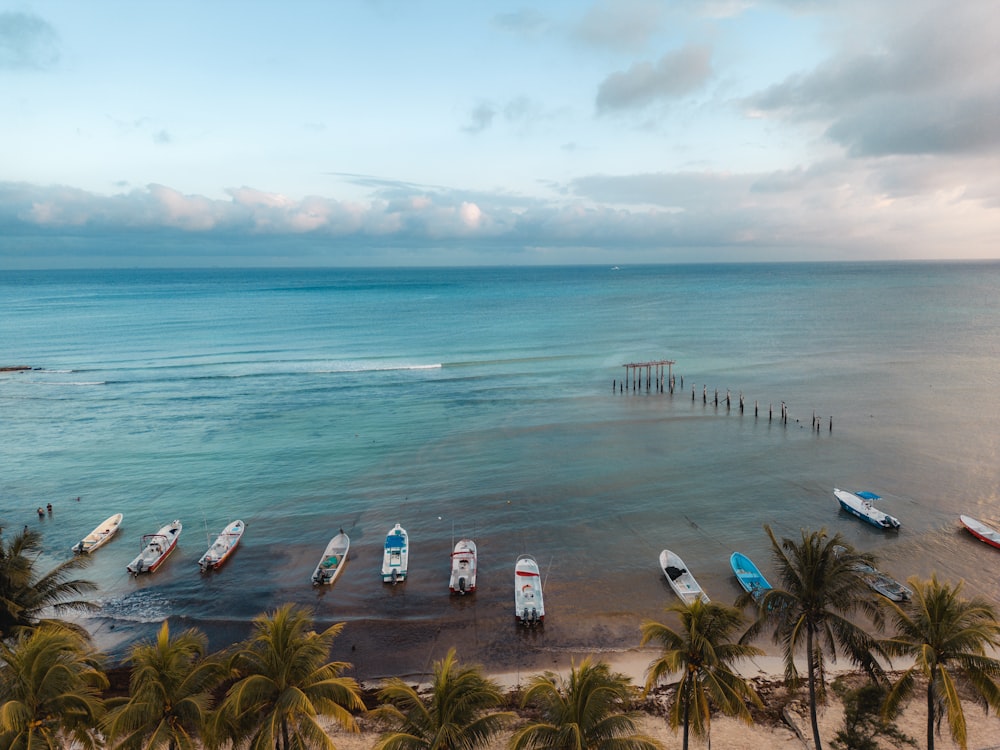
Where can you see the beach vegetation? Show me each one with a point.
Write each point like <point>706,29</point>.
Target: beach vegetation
<point>27,595</point>
<point>457,713</point>
<point>170,694</point>
<point>949,638</point>
<point>284,682</point>
<point>50,691</point>
<point>864,723</point>
<point>703,651</point>
<point>587,710</point>
<point>814,610</point>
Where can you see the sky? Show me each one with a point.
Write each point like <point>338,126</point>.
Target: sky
<point>431,133</point>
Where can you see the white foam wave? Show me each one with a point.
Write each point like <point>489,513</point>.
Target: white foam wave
<point>137,606</point>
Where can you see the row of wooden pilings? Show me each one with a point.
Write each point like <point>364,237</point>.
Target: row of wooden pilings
<point>659,375</point>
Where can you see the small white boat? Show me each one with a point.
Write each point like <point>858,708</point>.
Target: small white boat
<point>223,546</point>
<point>99,536</point>
<point>528,606</point>
<point>155,549</point>
<point>680,578</point>
<point>878,581</point>
<point>862,505</point>
<point>396,557</point>
<point>981,531</point>
<point>332,562</point>
<point>464,564</point>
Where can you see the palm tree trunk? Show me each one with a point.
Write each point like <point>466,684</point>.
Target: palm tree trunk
<point>687,710</point>
<point>930,714</point>
<point>811,663</point>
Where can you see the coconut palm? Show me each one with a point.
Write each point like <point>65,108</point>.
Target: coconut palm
<point>458,713</point>
<point>170,694</point>
<point>703,652</point>
<point>589,710</point>
<point>948,637</point>
<point>50,691</point>
<point>812,610</point>
<point>25,594</point>
<point>284,683</point>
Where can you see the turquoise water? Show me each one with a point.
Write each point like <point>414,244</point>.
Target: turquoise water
<point>479,402</point>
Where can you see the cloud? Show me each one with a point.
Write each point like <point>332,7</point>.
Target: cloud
<point>620,25</point>
<point>676,74</point>
<point>526,21</point>
<point>27,42</point>
<point>480,118</point>
<point>931,85</point>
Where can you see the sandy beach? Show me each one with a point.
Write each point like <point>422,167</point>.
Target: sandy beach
<point>773,727</point>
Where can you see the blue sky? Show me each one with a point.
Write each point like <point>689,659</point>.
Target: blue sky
<point>466,133</point>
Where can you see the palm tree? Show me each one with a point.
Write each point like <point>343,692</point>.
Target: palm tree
<point>821,589</point>
<point>50,691</point>
<point>170,693</point>
<point>457,714</point>
<point>703,652</point>
<point>284,683</point>
<point>25,595</point>
<point>947,636</point>
<point>587,711</point>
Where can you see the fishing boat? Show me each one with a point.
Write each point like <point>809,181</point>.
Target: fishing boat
<point>99,536</point>
<point>749,577</point>
<point>680,578</point>
<point>332,562</point>
<point>528,607</point>
<point>879,582</point>
<point>223,546</point>
<point>862,505</point>
<point>155,549</point>
<point>981,531</point>
<point>463,567</point>
<point>396,557</point>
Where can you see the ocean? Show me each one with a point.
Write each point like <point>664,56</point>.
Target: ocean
<point>488,403</point>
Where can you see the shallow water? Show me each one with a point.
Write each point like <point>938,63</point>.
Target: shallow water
<point>479,402</point>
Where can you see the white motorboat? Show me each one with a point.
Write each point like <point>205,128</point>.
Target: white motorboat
<point>155,549</point>
<point>862,505</point>
<point>528,606</point>
<point>99,536</point>
<point>981,531</point>
<point>223,546</point>
<point>680,578</point>
<point>464,564</point>
<point>396,557</point>
<point>332,562</point>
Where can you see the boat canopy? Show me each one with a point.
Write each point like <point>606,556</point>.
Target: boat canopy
<point>868,495</point>
<point>394,541</point>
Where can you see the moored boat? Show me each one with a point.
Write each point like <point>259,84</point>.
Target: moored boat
<point>880,582</point>
<point>981,531</point>
<point>680,578</point>
<point>332,562</point>
<point>396,556</point>
<point>223,546</point>
<point>464,564</point>
<point>749,577</point>
<point>99,536</point>
<point>529,609</point>
<point>862,505</point>
<point>155,549</point>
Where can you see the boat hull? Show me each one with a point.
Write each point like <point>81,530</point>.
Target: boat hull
<point>981,531</point>
<point>680,579</point>
<point>396,555</point>
<point>99,536</point>
<point>331,564</point>
<point>157,548</point>
<point>223,546</point>
<point>464,564</point>
<point>529,609</point>
<point>748,575</point>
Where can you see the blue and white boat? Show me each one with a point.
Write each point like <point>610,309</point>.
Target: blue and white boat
<point>862,505</point>
<point>396,558</point>
<point>749,577</point>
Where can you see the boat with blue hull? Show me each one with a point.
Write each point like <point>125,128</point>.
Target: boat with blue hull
<point>749,576</point>
<point>862,505</point>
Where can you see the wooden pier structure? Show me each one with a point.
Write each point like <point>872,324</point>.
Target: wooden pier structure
<point>634,371</point>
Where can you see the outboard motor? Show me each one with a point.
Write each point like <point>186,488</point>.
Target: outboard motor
<point>461,585</point>
<point>395,576</point>
<point>534,616</point>
<point>524,616</point>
